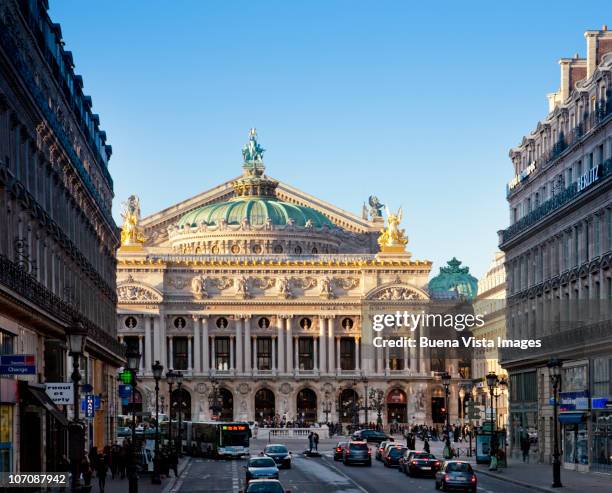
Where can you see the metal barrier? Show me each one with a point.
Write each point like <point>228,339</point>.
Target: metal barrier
<point>291,433</point>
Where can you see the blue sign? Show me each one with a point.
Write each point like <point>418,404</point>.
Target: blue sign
<point>97,402</point>
<point>86,388</point>
<point>125,401</point>
<point>574,401</point>
<point>125,391</point>
<point>599,402</point>
<point>90,406</point>
<point>18,364</point>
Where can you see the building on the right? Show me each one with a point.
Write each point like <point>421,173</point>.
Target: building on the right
<point>558,251</point>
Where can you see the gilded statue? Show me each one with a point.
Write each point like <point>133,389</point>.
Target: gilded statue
<point>131,232</point>
<point>393,239</point>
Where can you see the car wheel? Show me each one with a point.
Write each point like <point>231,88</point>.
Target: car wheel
<point>437,486</point>
<point>369,463</point>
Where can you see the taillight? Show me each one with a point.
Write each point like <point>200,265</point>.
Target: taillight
<point>473,480</point>
<point>369,452</point>
<point>446,477</point>
<point>348,452</point>
<point>338,449</point>
<point>414,463</point>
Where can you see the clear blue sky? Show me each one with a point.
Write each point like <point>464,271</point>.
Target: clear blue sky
<point>417,103</point>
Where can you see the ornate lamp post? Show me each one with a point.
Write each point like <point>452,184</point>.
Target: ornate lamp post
<point>158,370</point>
<point>446,380</point>
<point>468,395</point>
<point>171,379</point>
<point>77,336</point>
<point>492,380</point>
<point>179,387</point>
<point>366,407</point>
<point>554,368</point>
<point>462,402</point>
<point>133,362</point>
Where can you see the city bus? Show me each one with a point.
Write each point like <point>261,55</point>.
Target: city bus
<point>218,439</point>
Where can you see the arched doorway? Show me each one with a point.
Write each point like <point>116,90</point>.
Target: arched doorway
<point>181,398</point>
<point>306,406</point>
<point>397,406</point>
<point>227,405</point>
<point>127,407</point>
<point>347,403</point>
<point>264,405</point>
<point>438,406</point>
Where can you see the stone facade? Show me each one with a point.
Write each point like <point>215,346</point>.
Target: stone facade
<point>58,238</point>
<point>558,250</point>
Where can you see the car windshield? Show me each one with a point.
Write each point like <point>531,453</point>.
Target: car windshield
<point>458,467</point>
<point>265,487</point>
<point>276,449</point>
<point>262,462</point>
<point>396,452</point>
<point>359,446</point>
<point>424,456</point>
<point>341,444</point>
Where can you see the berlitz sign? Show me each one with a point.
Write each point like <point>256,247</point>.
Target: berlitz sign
<point>60,393</point>
<point>588,178</point>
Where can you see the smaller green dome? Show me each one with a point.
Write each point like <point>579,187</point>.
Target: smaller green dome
<point>257,210</point>
<point>454,281</point>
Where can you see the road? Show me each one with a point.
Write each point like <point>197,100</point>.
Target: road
<point>316,475</point>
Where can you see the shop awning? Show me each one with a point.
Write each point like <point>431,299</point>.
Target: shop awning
<point>40,398</point>
<point>571,418</point>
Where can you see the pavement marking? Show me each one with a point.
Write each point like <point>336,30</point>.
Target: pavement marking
<point>235,479</point>
<point>351,480</point>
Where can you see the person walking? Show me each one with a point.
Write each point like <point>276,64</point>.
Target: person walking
<point>101,471</point>
<point>525,446</point>
<point>315,440</point>
<point>426,447</point>
<point>310,442</point>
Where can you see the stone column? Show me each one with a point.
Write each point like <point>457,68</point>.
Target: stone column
<point>197,367</point>
<point>248,362</point>
<point>315,344</point>
<point>422,368</point>
<point>171,355</point>
<point>379,360</point>
<point>413,353</point>
<point>141,349</point>
<point>290,354</point>
<point>148,361</point>
<point>255,362</point>
<point>330,344</point>
<point>338,365</point>
<point>213,356</point>
<point>323,348</point>
<point>405,359</point>
<point>296,369</point>
<point>157,340</point>
<point>357,354</point>
<point>189,359</point>
<point>239,341</point>
<point>274,369</point>
<point>387,366</point>
<point>205,345</point>
<point>281,346</point>
<point>163,351</point>
<point>232,366</point>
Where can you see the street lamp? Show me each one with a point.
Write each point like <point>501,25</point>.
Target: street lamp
<point>132,356</point>
<point>171,379</point>
<point>446,380</point>
<point>365,384</point>
<point>77,336</point>
<point>462,402</point>
<point>468,394</point>
<point>554,368</point>
<point>179,387</point>
<point>492,381</point>
<point>158,370</point>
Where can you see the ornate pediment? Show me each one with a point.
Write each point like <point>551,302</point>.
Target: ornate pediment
<point>131,291</point>
<point>397,292</point>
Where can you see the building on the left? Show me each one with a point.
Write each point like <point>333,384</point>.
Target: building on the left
<point>57,242</point>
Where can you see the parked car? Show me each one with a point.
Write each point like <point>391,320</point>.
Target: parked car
<point>339,450</point>
<point>385,451</point>
<point>265,486</point>
<point>357,453</point>
<point>456,475</point>
<point>405,460</point>
<point>393,455</point>
<point>261,468</point>
<point>422,463</point>
<point>380,449</point>
<point>280,454</point>
<point>371,436</point>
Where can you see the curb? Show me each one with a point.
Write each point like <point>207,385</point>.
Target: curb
<point>497,475</point>
<point>181,469</point>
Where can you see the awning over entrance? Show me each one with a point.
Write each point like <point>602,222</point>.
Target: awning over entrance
<point>38,397</point>
<point>571,418</point>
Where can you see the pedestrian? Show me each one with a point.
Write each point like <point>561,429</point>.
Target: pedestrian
<point>85,469</point>
<point>310,441</point>
<point>63,466</point>
<point>101,470</point>
<point>174,462</point>
<point>426,447</point>
<point>315,440</point>
<point>525,446</point>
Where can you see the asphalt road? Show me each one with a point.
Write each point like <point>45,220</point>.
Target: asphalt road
<point>317,475</point>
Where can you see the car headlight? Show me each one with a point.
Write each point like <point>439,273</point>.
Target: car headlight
<point>288,457</point>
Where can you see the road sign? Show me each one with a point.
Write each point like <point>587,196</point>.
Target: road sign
<point>18,364</point>
<point>125,391</point>
<point>86,388</point>
<point>89,406</point>
<point>60,393</point>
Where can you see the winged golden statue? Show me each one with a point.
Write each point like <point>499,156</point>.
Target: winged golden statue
<point>131,231</point>
<point>393,239</point>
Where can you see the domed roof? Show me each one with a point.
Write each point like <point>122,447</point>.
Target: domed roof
<point>453,281</point>
<point>258,210</point>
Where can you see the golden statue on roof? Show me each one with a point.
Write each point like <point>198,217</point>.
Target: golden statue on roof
<point>131,231</point>
<point>393,239</point>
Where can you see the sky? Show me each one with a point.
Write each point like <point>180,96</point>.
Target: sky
<point>417,103</point>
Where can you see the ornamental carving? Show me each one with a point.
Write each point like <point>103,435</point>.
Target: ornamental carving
<point>201,388</point>
<point>327,290</point>
<point>397,293</point>
<point>222,283</point>
<point>177,282</point>
<point>285,388</point>
<point>242,287</point>
<point>347,283</point>
<point>305,282</point>
<point>264,282</point>
<point>244,388</point>
<point>131,294</point>
<point>285,287</point>
<point>198,287</point>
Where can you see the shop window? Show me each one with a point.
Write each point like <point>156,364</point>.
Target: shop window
<point>7,342</point>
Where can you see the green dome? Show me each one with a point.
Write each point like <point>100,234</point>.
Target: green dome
<point>453,281</point>
<point>257,210</point>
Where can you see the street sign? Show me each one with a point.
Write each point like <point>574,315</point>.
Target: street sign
<point>18,364</point>
<point>60,393</point>
<point>125,391</point>
<point>86,388</point>
<point>89,406</point>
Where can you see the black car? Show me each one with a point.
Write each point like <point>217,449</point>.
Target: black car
<point>339,450</point>
<point>393,455</point>
<point>422,463</point>
<point>456,474</point>
<point>261,468</point>
<point>357,453</point>
<point>265,486</point>
<point>370,436</point>
<point>280,454</point>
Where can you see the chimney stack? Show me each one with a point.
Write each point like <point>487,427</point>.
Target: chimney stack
<point>598,44</point>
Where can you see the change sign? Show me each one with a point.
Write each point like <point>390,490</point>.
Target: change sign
<point>60,393</point>
<point>18,364</point>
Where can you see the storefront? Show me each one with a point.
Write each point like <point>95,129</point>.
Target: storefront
<point>8,400</point>
<point>601,452</point>
<point>574,421</point>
